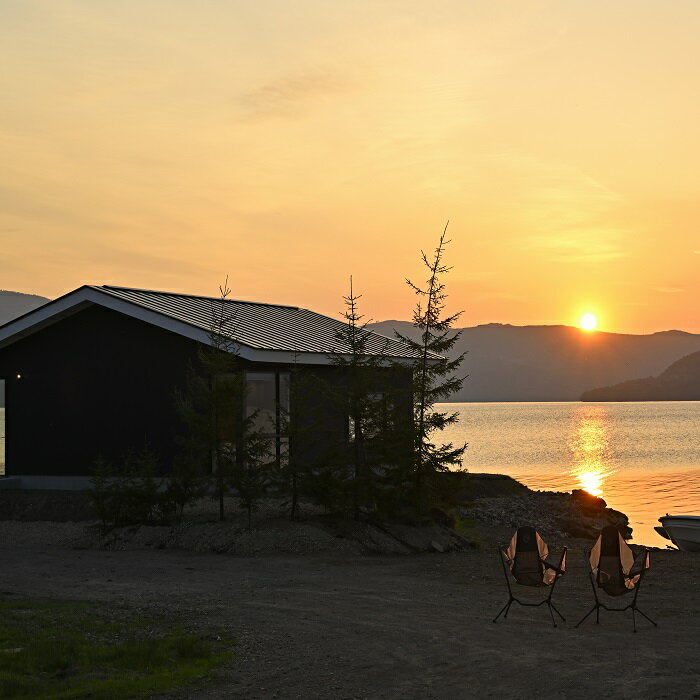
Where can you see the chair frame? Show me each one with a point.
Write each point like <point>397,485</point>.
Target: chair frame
<point>631,606</point>
<point>547,601</point>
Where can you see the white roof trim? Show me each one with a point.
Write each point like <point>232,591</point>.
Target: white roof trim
<point>83,297</point>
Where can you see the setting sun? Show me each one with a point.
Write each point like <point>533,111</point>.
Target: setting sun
<point>588,322</point>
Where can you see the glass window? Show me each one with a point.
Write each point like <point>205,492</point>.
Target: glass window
<point>262,401</point>
<point>268,400</point>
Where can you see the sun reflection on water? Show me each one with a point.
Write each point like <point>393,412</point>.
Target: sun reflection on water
<point>590,449</point>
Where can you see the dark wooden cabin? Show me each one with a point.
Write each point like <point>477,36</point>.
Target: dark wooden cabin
<point>95,373</point>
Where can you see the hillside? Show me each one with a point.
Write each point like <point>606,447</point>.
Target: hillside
<point>554,363</point>
<point>13,304</point>
<point>680,382</point>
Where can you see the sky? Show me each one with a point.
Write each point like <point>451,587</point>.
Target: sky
<point>167,144</point>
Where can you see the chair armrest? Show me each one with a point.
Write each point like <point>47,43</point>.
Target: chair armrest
<point>558,566</point>
<point>640,563</point>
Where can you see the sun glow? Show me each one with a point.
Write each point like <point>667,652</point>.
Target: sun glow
<point>590,449</point>
<point>588,322</point>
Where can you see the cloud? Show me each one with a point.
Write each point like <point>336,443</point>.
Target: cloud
<point>669,290</point>
<point>586,246</point>
<point>564,212</point>
<point>290,96</point>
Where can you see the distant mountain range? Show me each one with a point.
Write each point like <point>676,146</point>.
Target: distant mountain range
<point>13,304</point>
<point>679,382</point>
<point>554,363</point>
<point>540,363</point>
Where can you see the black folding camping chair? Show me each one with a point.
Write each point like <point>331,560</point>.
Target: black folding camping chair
<point>616,571</point>
<point>525,559</point>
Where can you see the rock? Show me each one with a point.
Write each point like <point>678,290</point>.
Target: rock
<point>419,539</point>
<point>577,514</point>
<point>587,500</point>
<point>576,528</point>
<point>437,546</point>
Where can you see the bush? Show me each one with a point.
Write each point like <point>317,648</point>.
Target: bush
<point>131,494</point>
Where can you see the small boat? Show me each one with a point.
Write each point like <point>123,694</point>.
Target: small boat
<point>682,530</point>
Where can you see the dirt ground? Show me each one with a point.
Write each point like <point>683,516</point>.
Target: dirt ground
<point>419,626</point>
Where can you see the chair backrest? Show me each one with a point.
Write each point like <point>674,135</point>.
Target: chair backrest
<point>613,563</point>
<point>525,556</point>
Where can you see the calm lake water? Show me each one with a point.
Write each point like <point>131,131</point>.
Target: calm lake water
<point>642,458</point>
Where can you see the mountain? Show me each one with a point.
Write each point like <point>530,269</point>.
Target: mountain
<point>13,304</point>
<point>680,382</point>
<point>553,363</point>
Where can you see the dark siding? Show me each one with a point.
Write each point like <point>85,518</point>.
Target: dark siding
<point>95,383</point>
<point>102,383</point>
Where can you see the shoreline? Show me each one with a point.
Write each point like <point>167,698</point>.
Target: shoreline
<point>477,504</point>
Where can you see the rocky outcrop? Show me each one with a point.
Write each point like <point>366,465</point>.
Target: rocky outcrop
<point>554,514</point>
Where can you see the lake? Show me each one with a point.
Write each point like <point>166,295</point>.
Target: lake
<point>642,458</point>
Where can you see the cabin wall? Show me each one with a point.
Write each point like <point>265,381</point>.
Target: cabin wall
<point>96,383</point>
<point>102,383</point>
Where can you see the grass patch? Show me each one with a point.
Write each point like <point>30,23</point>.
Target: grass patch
<point>467,527</point>
<point>52,649</point>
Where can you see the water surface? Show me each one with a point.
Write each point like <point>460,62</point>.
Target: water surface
<point>642,458</point>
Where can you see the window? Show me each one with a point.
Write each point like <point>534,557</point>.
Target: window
<point>268,401</point>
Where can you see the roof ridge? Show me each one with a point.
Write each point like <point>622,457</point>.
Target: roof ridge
<point>109,287</point>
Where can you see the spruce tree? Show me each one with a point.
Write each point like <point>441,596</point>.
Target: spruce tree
<point>360,383</point>
<point>300,427</point>
<point>434,377</point>
<point>220,438</point>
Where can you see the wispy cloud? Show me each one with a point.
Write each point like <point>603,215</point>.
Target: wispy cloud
<point>669,290</point>
<point>291,96</point>
<point>566,212</point>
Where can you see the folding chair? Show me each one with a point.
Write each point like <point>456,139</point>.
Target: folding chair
<point>616,571</point>
<point>525,559</point>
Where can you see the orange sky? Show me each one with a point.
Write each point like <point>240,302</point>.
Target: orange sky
<point>167,143</point>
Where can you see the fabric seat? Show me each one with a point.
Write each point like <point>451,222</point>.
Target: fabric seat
<point>526,560</point>
<point>616,570</point>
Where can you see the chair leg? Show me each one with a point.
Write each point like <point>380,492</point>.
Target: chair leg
<point>643,614</point>
<point>634,621</point>
<point>505,609</point>
<point>595,607</point>
<point>563,619</point>
<point>551,614</point>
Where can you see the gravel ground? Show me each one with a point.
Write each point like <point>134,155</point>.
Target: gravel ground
<point>342,625</point>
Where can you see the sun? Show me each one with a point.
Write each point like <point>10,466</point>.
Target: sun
<point>588,322</point>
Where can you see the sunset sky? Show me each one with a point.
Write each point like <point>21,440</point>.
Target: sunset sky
<point>165,144</point>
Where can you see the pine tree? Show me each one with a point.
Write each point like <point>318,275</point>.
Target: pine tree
<point>221,439</point>
<point>361,383</point>
<point>300,427</point>
<point>434,377</point>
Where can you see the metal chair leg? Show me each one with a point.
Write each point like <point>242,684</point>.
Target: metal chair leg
<point>563,619</point>
<point>643,614</point>
<point>595,607</point>
<point>504,608</point>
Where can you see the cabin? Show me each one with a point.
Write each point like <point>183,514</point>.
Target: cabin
<point>95,373</point>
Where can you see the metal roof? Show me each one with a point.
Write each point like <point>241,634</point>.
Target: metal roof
<point>270,327</point>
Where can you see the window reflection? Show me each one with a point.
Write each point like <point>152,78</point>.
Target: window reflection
<point>267,402</point>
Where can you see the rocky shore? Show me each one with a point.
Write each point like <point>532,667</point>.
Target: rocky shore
<point>477,503</point>
<point>554,514</point>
